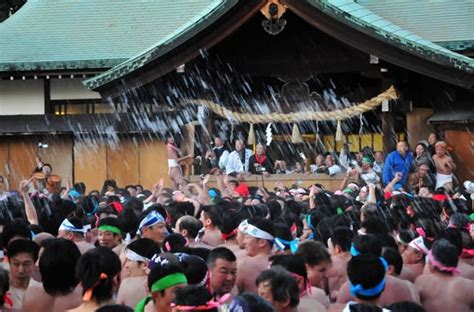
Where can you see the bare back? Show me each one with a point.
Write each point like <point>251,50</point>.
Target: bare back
<point>248,270</point>
<point>337,275</point>
<point>445,293</point>
<point>132,290</point>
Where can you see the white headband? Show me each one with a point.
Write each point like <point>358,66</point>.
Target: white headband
<point>133,256</point>
<point>257,233</point>
<point>419,245</point>
<point>243,226</point>
<point>66,225</point>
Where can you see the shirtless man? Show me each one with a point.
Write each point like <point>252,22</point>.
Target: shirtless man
<point>22,255</point>
<point>317,261</point>
<point>414,256</point>
<point>444,166</point>
<point>339,245</point>
<point>222,265</point>
<point>211,221</point>
<point>395,289</point>
<point>443,290</point>
<point>367,280</point>
<point>132,288</point>
<point>259,237</point>
<point>59,291</point>
<point>189,227</point>
<point>72,229</point>
<point>153,226</point>
<point>174,169</point>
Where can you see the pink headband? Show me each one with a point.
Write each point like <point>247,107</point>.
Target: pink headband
<point>442,267</point>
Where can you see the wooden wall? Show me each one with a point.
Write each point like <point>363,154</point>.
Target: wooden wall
<point>417,125</point>
<point>132,161</point>
<point>17,157</point>
<point>462,143</point>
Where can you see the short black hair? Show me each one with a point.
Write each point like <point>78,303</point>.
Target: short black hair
<point>174,243</point>
<point>313,253</point>
<point>368,244</point>
<point>342,236</point>
<point>366,270</point>
<point>283,285</point>
<point>212,213</point>
<point>454,236</point>
<point>193,296</point>
<point>195,268</point>
<point>144,247</point>
<point>445,253</point>
<point>23,246</point>
<point>57,266</point>
<point>131,186</point>
<point>191,224</point>
<point>90,267</point>
<point>291,263</point>
<point>220,253</point>
<point>15,228</point>
<point>393,257</point>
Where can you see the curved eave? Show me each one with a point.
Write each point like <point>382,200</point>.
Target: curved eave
<point>179,49</point>
<point>420,56</point>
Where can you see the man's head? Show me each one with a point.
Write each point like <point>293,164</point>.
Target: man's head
<point>188,226</point>
<point>441,148</point>
<point>239,145</point>
<point>316,258</point>
<point>279,287</point>
<point>132,190</point>
<point>137,255</point>
<point>153,226</point>
<point>366,275</point>
<point>22,255</point>
<point>72,229</point>
<point>57,265</point>
<point>259,236</point>
<point>218,142</point>
<point>296,266</point>
<point>47,169</point>
<point>394,261</point>
<point>378,157</point>
<point>402,147</point>
<point>443,257</point>
<point>415,252</point>
<point>166,276</point>
<point>340,240</point>
<point>210,216</point>
<point>110,232</point>
<point>170,138</point>
<point>329,160</point>
<point>16,229</point>
<point>98,270</point>
<point>367,244</point>
<point>222,264</point>
<point>422,170</point>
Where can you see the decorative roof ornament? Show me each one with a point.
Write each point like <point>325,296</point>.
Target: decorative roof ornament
<point>273,11</point>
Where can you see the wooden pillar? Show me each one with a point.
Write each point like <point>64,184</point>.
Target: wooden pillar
<point>388,132</point>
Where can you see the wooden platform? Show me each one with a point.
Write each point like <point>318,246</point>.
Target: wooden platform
<point>305,180</point>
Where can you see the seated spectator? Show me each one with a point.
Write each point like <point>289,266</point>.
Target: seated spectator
<point>318,166</point>
<point>260,163</point>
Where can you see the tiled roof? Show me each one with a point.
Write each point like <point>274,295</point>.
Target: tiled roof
<point>363,19</point>
<point>92,34</point>
<point>449,23</point>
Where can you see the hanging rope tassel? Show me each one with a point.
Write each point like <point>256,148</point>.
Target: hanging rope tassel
<point>339,131</point>
<point>251,138</point>
<point>296,135</point>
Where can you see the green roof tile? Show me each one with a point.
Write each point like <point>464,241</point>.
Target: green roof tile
<point>449,23</point>
<point>91,34</point>
<point>383,29</point>
<point>181,34</point>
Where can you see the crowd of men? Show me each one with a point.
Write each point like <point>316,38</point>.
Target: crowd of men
<point>396,236</point>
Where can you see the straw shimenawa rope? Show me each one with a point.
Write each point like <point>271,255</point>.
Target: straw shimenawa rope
<point>341,114</point>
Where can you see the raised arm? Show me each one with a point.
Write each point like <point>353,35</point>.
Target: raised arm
<point>30,209</point>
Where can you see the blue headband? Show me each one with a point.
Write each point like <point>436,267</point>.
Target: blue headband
<point>308,221</point>
<point>281,244</point>
<point>151,219</point>
<point>212,193</point>
<point>370,292</point>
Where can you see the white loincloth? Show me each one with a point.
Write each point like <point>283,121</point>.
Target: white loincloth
<point>442,179</point>
<point>172,163</point>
